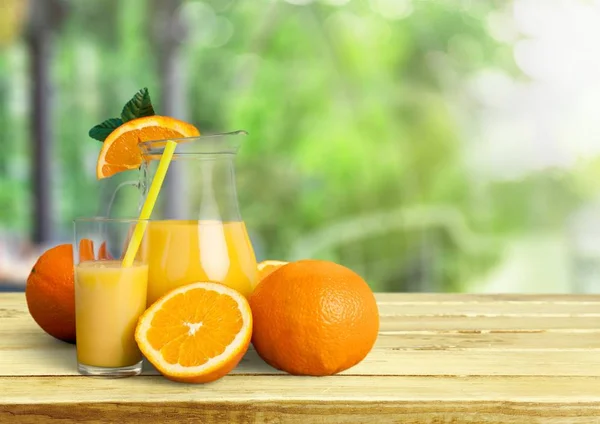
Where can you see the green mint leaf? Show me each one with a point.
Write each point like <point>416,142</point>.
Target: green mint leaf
<point>101,131</point>
<point>139,106</point>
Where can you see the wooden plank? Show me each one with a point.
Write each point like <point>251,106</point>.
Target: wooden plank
<point>490,309</point>
<point>433,325</point>
<point>23,323</point>
<point>477,297</point>
<point>302,412</point>
<point>284,387</point>
<point>486,341</point>
<point>60,360</point>
<point>12,305</point>
<point>34,338</point>
<point>515,324</point>
<point>389,362</point>
<point>301,399</point>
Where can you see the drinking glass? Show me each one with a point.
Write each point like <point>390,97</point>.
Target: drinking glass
<point>109,297</point>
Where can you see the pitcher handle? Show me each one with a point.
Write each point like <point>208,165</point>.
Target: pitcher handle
<point>133,183</point>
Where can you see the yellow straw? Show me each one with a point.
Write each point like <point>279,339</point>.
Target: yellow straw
<point>159,177</point>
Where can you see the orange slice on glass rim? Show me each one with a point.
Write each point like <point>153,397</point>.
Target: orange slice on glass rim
<point>267,267</point>
<point>196,333</point>
<point>120,151</point>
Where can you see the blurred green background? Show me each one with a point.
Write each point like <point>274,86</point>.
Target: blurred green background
<point>430,145</point>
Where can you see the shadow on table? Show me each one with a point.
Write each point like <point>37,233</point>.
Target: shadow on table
<point>64,355</point>
<point>251,364</point>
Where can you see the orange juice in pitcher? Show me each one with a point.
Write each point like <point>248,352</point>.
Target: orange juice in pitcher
<point>182,252</point>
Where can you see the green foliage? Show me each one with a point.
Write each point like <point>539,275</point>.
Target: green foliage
<point>138,107</point>
<point>349,114</point>
<point>101,131</point>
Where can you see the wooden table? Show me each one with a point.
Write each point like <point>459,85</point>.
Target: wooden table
<point>439,359</point>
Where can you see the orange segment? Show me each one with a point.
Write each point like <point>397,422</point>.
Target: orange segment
<point>86,250</point>
<point>103,252</point>
<point>196,333</point>
<point>267,267</point>
<point>120,150</point>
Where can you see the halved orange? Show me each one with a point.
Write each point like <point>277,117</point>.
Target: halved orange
<point>267,267</point>
<point>196,333</point>
<point>120,150</point>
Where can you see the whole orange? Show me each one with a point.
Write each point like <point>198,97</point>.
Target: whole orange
<point>313,317</point>
<point>50,293</point>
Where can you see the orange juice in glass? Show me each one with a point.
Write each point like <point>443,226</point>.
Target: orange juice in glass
<point>109,298</point>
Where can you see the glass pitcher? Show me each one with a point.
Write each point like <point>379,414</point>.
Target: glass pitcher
<point>196,232</point>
